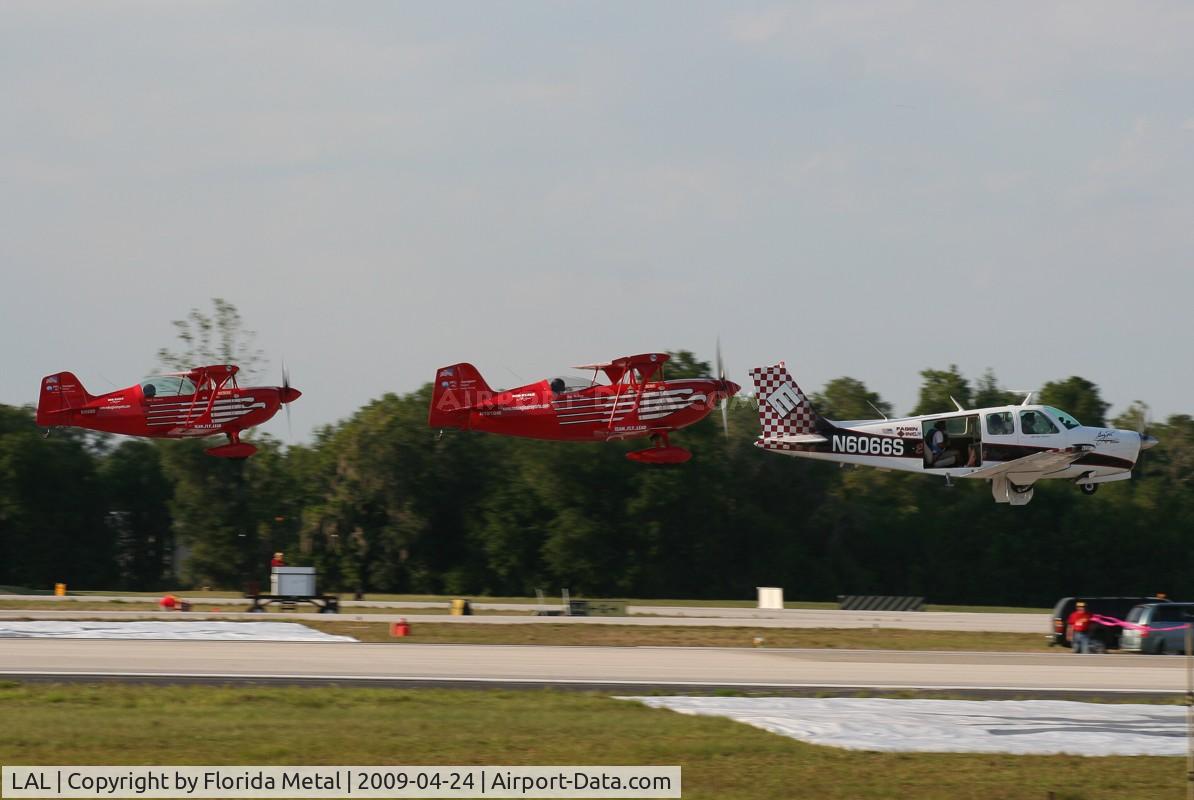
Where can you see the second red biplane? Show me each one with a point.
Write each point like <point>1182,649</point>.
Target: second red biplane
<point>637,402</point>
<point>205,401</point>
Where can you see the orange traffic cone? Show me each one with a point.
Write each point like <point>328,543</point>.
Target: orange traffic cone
<point>400,628</point>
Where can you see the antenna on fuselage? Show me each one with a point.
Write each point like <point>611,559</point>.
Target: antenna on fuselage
<point>956,403</point>
<point>1028,393</point>
<point>877,411</point>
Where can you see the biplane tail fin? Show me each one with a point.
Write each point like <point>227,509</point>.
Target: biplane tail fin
<point>59,392</point>
<point>784,411</point>
<point>458,389</point>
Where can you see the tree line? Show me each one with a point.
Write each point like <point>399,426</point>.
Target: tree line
<point>381,503</point>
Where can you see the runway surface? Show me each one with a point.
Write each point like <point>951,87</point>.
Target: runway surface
<point>497,665</point>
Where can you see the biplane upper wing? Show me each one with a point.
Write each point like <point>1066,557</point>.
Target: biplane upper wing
<point>1037,464</point>
<point>218,372</point>
<point>647,364</point>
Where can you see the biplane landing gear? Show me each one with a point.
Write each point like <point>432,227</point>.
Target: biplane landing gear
<point>45,434</point>
<point>234,449</point>
<point>1089,488</point>
<point>661,453</point>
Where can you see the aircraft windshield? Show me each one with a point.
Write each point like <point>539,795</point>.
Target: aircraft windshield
<point>1063,418</point>
<point>167,386</point>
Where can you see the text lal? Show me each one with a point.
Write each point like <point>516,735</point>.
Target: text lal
<point>34,780</point>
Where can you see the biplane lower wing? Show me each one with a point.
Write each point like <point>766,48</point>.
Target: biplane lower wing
<point>1035,466</point>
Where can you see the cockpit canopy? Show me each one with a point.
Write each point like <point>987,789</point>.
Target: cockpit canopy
<point>562,384</point>
<point>168,386</point>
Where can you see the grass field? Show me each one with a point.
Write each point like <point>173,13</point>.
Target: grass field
<point>122,724</point>
<point>684,636</point>
<point>204,596</point>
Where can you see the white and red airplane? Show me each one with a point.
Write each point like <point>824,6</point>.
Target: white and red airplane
<point>1013,447</point>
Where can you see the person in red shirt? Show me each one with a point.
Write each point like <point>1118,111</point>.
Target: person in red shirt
<point>278,560</point>
<point>1079,625</point>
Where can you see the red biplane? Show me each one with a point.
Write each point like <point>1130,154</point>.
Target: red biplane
<point>205,401</point>
<point>636,402</point>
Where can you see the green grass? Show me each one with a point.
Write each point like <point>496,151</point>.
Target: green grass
<point>203,596</point>
<point>214,605</point>
<point>686,636</point>
<point>125,724</point>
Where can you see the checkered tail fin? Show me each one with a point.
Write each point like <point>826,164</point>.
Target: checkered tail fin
<point>783,408</point>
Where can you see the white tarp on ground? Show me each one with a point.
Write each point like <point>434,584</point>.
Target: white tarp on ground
<point>190,629</point>
<point>955,726</point>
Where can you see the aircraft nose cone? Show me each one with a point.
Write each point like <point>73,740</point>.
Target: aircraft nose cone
<point>289,394</point>
<point>1147,441</point>
<point>728,389</point>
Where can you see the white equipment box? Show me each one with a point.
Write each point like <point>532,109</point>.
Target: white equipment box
<point>770,597</point>
<point>292,581</point>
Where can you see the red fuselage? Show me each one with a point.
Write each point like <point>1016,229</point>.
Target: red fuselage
<point>131,413</point>
<point>594,414</point>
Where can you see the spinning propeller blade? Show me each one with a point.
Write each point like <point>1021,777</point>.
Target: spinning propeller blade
<point>286,393</point>
<point>1146,441</point>
<point>725,401</point>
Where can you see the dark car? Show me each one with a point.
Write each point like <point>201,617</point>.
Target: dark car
<point>1103,637</point>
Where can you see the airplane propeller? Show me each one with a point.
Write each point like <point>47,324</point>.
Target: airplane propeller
<point>288,395</point>
<point>725,400</point>
<point>1146,441</point>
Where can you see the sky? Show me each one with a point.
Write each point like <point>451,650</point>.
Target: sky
<point>381,188</point>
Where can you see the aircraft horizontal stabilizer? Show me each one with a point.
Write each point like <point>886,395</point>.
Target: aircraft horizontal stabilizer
<point>799,438</point>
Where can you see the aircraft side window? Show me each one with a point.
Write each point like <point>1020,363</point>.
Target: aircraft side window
<point>1000,424</point>
<point>1034,422</point>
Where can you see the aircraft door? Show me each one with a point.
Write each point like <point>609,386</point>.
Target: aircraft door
<point>1000,441</point>
<point>952,442</point>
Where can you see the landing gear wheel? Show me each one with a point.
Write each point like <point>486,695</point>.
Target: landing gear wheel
<point>1020,489</point>
<point>1089,488</point>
